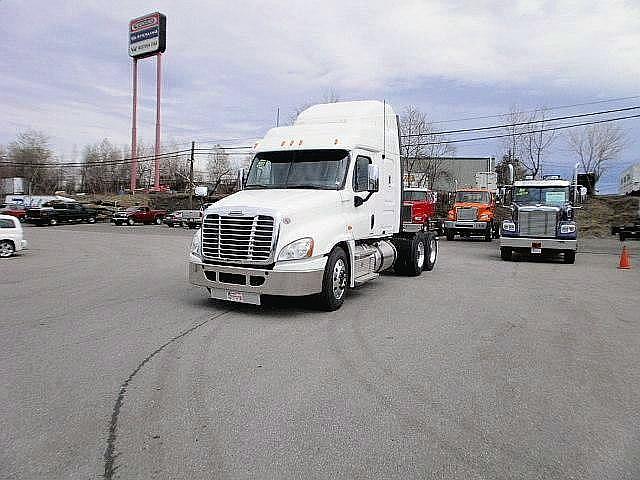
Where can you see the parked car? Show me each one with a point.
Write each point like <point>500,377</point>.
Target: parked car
<point>184,218</point>
<point>134,215</point>
<point>14,209</point>
<point>11,239</point>
<point>55,212</point>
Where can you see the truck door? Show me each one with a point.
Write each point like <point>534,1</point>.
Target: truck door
<point>361,218</point>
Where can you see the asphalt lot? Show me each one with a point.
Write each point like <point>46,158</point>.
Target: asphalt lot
<point>481,369</point>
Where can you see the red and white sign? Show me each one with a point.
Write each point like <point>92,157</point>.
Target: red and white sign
<point>147,35</point>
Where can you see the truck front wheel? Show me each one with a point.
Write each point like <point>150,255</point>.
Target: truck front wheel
<point>334,281</point>
<point>506,253</point>
<point>158,220</point>
<point>570,256</point>
<point>131,222</point>
<point>488,234</point>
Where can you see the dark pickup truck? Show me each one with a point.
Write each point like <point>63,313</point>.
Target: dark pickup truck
<point>134,215</point>
<point>53,213</point>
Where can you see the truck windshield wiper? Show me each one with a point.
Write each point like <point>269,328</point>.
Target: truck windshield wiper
<point>309,186</point>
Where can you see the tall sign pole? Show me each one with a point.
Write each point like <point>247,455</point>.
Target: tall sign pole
<point>158,95</point>
<point>134,133</point>
<point>147,38</point>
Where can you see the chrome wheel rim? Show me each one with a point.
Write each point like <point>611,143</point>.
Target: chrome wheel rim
<point>421,254</point>
<point>339,279</point>
<point>5,249</point>
<point>432,251</point>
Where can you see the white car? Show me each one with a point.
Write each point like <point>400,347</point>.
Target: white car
<point>11,240</point>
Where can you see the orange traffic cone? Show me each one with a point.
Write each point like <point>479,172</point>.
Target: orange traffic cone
<point>625,259</point>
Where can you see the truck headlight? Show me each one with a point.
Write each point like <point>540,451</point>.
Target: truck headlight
<point>567,228</point>
<point>508,226</point>
<point>302,248</point>
<point>196,244</point>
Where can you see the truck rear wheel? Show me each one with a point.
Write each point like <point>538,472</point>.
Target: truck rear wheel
<point>53,221</point>
<point>411,255</point>
<point>506,253</point>
<point>334,281</point>
<point>431,253</point>
<point>569,256</point>
<point>91,220</point>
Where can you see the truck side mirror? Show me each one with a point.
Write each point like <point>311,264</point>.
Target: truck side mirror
<point>373,180</point>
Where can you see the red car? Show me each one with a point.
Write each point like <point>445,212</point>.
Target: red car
<point>14,209</point>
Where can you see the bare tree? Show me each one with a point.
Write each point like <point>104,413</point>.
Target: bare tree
<point>597,146</point>
<point>28,155</point>
<point>526,143</point>
<point>217,166</point>
<point>422,150</point>
<point>101,172</point>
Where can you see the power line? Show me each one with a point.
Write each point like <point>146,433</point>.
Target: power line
<point>560,107</point>
<point>529,122</point>
<point>551,129</point>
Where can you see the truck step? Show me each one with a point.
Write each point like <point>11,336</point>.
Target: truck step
<point>365,278</point>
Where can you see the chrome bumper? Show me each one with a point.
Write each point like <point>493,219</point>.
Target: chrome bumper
<point>465,225</point>
<point>296,278</point>
<point>545,243</point>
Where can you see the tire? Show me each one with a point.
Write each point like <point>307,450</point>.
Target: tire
<point>506,253</point>
<point>6,249</point>
<point>131,222</point>
<point>623,237</point>
<point>449,234</point>
<point>117,224</point>
<point>411,255</point>
<point>431,253</point>
<point>334,281</point>
<point>158,220</point>
<point>53,221</point>
<point>488,234</point>
<point>569,256</point>
<point>91,220</point>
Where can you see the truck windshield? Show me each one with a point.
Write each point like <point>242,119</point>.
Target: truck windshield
<point>472,197</point>
<point>318,169</point>
<point>414,196</point>
<point>540,195</point>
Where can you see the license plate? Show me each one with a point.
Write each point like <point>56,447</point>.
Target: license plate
<point>536,248</point>
<point>235,296</point>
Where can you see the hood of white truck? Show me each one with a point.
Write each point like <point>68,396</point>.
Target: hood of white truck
<point>285,202</point>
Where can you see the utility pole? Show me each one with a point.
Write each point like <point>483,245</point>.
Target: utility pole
<point>193,148</point>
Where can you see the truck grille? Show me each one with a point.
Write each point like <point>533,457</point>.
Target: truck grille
<point>237,239</point>
<point>467,213</point>
<point>537,223</point>
<point>405,213</point>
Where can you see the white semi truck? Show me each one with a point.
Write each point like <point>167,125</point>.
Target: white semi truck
<point>320,212</point>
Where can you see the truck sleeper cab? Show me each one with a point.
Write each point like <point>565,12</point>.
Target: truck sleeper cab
<point>320,212</point>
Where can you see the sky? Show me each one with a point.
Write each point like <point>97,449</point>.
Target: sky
<point>228,67</point>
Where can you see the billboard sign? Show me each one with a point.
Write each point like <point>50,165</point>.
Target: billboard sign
<point>147,35</point>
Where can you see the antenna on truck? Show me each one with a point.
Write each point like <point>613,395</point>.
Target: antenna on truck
<point>384,128</point>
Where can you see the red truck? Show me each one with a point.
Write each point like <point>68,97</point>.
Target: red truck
<point>134,215</point>
<point>13,209</point>
<point>419,208</point>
